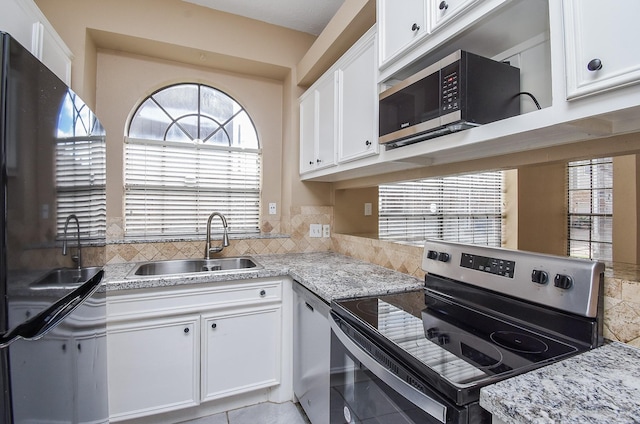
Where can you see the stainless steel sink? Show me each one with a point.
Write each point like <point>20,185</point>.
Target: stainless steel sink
<point>65,278</point>
<point>190,266</point>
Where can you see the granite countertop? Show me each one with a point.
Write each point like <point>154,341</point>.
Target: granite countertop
<point>598,386</point>
<point>329,275</point>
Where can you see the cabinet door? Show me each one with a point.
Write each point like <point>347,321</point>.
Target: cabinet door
<point>400,25</point>
<point>308,130</point>
<point>441,11</point>
<point>153,366</point>
<point>241,352</point>
<point>91,374</point>
<point>326,121</point>
<point>600,38</point>
<point>318,125</point>
<point>42,380</point>
<point>358,105</point>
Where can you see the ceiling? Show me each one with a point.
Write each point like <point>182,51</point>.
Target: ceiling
<point>310,16</point>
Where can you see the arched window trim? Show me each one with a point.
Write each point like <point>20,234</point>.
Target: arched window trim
<point>171,186</point>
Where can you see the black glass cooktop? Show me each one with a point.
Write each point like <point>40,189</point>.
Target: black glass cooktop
<point>461,346</point>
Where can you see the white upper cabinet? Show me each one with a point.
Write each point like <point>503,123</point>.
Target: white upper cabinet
<point>338,121</point>
<point>318,125</point>
<point>600,45</point>
<point>400,24</point>
<point>358,123</point>
<point>441,11</point>
<point>553,43</point>
<point>28,25</point>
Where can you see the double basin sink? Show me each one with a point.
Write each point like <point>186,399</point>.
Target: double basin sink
<point>71,278</point>
<point>194,266</point>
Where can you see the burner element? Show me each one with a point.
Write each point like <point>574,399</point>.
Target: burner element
<point>519,342</point>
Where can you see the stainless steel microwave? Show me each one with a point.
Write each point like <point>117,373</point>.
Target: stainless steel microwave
<point>461,91</point>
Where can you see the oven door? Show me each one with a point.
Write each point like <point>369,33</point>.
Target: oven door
<point>363,390</point>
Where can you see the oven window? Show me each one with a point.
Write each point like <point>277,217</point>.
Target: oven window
<point>358,396</point>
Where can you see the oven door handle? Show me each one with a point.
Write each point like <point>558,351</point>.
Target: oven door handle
<point>422,401</point>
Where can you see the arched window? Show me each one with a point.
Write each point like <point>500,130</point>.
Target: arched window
<point>190,150</point>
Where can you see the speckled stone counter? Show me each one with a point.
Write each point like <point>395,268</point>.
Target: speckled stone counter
<point>599,386</point>
<point>329,275</point>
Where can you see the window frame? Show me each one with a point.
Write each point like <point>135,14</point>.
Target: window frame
<point>576,220</point>
<point>232,186</point>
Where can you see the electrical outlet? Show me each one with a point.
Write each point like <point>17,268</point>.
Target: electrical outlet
<point>272,208</point>
<point>368,209</point>
<point>326,230</point>
<point>315,230</point>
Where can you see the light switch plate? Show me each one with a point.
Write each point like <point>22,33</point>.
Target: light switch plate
<point>315,230</point>
<point>368,209</point>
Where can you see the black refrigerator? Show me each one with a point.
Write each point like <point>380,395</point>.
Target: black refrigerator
<point>53,308</point>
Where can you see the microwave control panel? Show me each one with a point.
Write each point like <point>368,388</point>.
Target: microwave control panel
<point>450,92</point>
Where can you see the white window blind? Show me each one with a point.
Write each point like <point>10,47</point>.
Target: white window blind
<point>171,188</point>
<point>464,208</point>
<point>81,184</point>
<point>191,150</point>
<point>80,169</point>
<point>590,205</point>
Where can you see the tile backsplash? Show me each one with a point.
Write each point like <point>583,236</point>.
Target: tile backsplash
<point>269,241</point>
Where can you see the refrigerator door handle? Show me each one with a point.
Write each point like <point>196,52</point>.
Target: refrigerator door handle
<point>38,325</point>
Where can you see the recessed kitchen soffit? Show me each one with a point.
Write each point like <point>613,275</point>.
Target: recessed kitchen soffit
<point>161,50</point>
<point>310,16</point>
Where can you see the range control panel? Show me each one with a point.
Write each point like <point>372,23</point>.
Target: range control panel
<point>561,282</point>
<point>485,264</point>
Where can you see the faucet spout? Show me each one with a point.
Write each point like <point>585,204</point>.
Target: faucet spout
<point>208,250</point>
<point>78,257</point>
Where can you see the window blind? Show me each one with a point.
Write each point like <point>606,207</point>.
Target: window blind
<point>81,184</point>
<point>465,208</point>
<point>172,187</point>
<point>590,206</point>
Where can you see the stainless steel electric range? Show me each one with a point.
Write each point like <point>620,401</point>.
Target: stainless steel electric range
<point>485,314</point>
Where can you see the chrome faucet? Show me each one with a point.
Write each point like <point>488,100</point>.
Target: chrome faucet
<point>78,257</point>
<point>208,250</point>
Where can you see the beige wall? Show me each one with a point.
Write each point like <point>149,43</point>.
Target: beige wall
<point>349,212</point>
<point>174,30</point>
<point>542,209</point>
<point>626,203</point>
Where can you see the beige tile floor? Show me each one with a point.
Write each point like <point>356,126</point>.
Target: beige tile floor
<point>263,413</point>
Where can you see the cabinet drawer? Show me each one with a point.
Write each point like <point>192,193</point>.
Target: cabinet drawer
<point>163,301</point>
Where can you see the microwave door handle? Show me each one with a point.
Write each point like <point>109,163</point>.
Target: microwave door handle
<point>40,324</point>
<point>422,401</point>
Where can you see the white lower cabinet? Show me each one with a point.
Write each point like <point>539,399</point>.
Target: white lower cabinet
<point>153,366</point>
<point>173,348</point>
<point>240,352</point>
